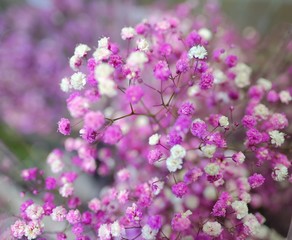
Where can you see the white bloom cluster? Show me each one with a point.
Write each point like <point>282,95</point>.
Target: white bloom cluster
<point>212,169</point>
<point>78,80</point>
<point>136,60</point>
<point>265,84</point>
<point>106,85</point>
<point>143,45</point>
<point>34,212</point>
<point>223,121</point>
<point>102,52</point>
<point>174,161</point>
<point>213,229</point>
<point>240,208</point>
<point>285,97</point>
<point>261,111</point>
<point>280,172</point>
<point>277,138</point>
<point>65,84</point>
<point>243,73</point>
<point>109,231</point>
<point>205,33</point>
<point>252,224</point>
<point>198,52</point>
<point>80,52</point>
<point>128,33</point>
<point>154,139</point>
<point>208,150</point>
<point>148,233</point>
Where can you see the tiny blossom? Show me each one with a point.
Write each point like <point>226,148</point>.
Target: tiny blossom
<point>254,136</point>
<point>104,232</point>
<point>173,164</point>
<point>136,60</point>
<point>208,150</point>
<point>18,229</point>
<point>240,208</point>
<point>155,222</point>
<point>207,80</point>
<point>59,214</point>
<point>261,111</point>
<point>212,169</point>
<point>285,97</point>
<point>75,62</point>
<point>162,71</point>
<point>133,213</point>
<point>179,189</point>
<point>78,80</point>
<point>94,120</point>
<point>154,139</point>
<point>180,221</point>
<point>213,229</point>
<point>198,52</point>
<point>177,151</point>
<point>66,190</point>
<point>134,94</point>
<point>34,212</point>
<point>65,84</point>
<point>101,54</point>
<point>277,138</point>
<point>103,42</point>
<point>199,128</point>
<point>64,126</point>
<point>231,61</point>
<point>205,33</point>
<point>187,109</point>
<point>94,205</point>
<point>128,33</point>
<point>29,174</point>
<point>143,44</point>
<point>251,223</point>
<point>280,172</point>
<point>112,135</point>
<point>33,229</point>
<point>117,230</point>
<point>149,233</point>
<point>264,83</point>
<point>256,180</point>
<point>243,73</point>
<point>223,121</point>
<point>73,216</point>
<point>238,157</point>
<point>81,50</point>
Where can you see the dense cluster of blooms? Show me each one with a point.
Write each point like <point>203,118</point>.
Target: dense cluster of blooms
<point>194,144</point>
<point>35,44</point>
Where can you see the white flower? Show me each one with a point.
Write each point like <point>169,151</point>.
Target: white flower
<point>280,172</point>
<point>277,138</point>
<point>154,139</point>
<point>148,233</point>
<point>78,80</point>
<point>212,228</point>
<point>128,33</point>
<point>66,190</point>
<point>108,88</point>
<point>205,33</point>
<point>33,229</point>
<point>58,214</point>
<point>208,150</point>
<point>34,212</point>
<point>65,84</point>
<point>104,232</point>
<point>103,71</point>
<point>265,84</point>
<point>285,97</point>
<point>197,52</point>
<point>177,151</point>
<point>101,54</point>
<point>158,185</point>
<point>251,222</point>
<point>117,230</point>
<point>173,164</point>
<point>212,169</point>
<point>261,111</point>
<point>223,121</point>
<point>81,50</point>
<point>136,60</point>
<point>75,62</point>
<point>143,44</point>
<point>103,42</point>
<point>243,73</point>
<point>241,209</point>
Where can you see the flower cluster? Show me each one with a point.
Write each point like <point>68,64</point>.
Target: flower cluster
<point>192,142</point>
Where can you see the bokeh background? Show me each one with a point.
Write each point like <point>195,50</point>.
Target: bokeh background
<point>37,37</point>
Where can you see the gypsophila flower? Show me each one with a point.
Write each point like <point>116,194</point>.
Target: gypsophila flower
<point>18,229</point>
<point>173,164</point>
<point>81,50</point>
<point>280,172</point>
<point>251,223</point>
<point>34,212</point>
<point>148,233</point>
<point>104,232</point>
<point>238,157</point>
<point>213,229</point>
<point>178,151</point>
<point>154,139</point>
<point>223,121</point>
<point>33,229</point>
<point>65,84</point>
<point>78,81</point>
<point>285,97</point>
<point>128,33</point>
<point>64,126</point>
<point>198,52</point>
<point>277,138</point>
<point>208,150</point>
<point>212,169</point>
<point>59,214</point>
<point>240,208</point>
<point>143,44</point>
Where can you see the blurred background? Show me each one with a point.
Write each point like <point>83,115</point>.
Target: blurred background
<point>37,37</point>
